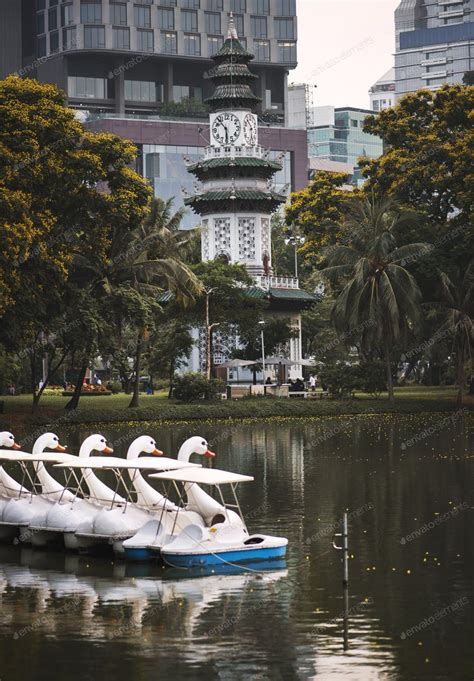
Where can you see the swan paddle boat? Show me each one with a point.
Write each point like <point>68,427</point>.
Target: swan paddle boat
<point>24,504</point>
<point>123,517</point>
<point>224,542</point>
<point>91,496</point>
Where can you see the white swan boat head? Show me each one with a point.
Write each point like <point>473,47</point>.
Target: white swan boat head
<point>7,440</point>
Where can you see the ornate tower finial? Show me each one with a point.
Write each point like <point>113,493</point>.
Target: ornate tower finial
<point>232,32</point>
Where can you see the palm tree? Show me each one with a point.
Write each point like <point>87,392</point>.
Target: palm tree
<point>457,302</point>
<point>379,298</point>
<point>142,263</point>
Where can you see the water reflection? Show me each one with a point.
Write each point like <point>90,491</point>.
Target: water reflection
<point>289,623</point>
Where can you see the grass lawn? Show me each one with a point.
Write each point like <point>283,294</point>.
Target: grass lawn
<point>114,408</point>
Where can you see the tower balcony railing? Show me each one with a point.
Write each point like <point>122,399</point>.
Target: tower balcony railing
<point>234,152</point>
<point>268,282</point>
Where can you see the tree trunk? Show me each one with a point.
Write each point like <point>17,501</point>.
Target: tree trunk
<point>171,380</point>
<point>74,401</point>
<point>135,401</point>
<point>388,364</point>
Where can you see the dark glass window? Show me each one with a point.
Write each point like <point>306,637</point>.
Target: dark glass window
<point>41,46</point>
<point>285,8</point>
<point>40,4</point>
<point>52,19</point>
<point>238,5</point>
<point>239,24</point>
<point>94,36</point>
<point>87,88</point>
<point>145,41</point>
<point>166,18</point>
<point>262,6</point>
<point>259,27</point>
<point>69,38</point>
<point>214,44</point>
<point>169,43</point>
<point>142,17</point>
<point>40,23</point>
<point>91,12</point>
<point>54,42</point>
<point>192,45</point>
<point>121,38</point>
<point>118,14</point>
<point>215,5</point>
<point>143,91</point>
<point>67,15</point>
<point>287,52</point>
<point>213,22</point>
<point>191,4</point>
<point>189,20</point>
<point>262,50</point>
<point>284,28</point>
<point>167,3</point>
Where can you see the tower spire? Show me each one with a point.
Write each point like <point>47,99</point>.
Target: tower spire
<point>232,32</point>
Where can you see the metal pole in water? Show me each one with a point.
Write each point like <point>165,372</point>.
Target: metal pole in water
<point>345,577</point>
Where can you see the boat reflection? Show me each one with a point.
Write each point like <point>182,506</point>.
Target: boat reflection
<point>108,600</point>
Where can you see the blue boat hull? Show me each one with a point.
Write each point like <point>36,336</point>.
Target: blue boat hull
<point>198,559</point>
<point>141,555</point>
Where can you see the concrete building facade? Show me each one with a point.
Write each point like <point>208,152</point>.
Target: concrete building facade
<point>434,43</point>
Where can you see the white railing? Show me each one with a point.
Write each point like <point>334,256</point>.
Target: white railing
<point>277,282</point>
<point>234,152</point>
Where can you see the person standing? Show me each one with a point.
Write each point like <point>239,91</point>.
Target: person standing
<point>312,382</point>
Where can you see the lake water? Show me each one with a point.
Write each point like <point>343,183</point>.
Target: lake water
<point>408,486</point>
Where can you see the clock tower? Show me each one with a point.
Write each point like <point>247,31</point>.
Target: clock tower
<point>236,196</point>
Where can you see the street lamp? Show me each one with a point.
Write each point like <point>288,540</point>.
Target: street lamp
<point>209,328</point>
<point>262,324</point>
<point>296,241</point>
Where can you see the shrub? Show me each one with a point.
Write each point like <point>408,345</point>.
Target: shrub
<point>339,379</point>
<point>115,387</point>
<point>195,387</point>
<point>372,378</point>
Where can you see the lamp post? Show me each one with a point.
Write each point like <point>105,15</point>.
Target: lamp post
<point>296,241</point>
<point>262,324</point>
<point>209,328</point>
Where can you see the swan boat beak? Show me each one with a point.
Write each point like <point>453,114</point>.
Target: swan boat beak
<point>60,448</point>
<point>209,454</point>
<point>107,450</point>
<point>157,452</point>
<point>15,445</point>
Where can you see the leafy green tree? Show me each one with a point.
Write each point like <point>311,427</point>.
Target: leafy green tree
<point>457,304</point>
<point>170,346</point>
<point>141,264</point>
<point>427,162</point>
<point>317,211</point>
<point>51,198</point>
<point>378,295</point>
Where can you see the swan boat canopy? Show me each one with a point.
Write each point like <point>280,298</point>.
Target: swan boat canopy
<point>122,517</point>
<point>225,542</point>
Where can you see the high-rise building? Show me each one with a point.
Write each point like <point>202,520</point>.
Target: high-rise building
<point>135,68</point>
<point>382,93</point>
<point>434,43</point>
<point>137,56</point>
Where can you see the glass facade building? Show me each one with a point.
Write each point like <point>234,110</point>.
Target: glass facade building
<point>169,42</point>
<point>342,139</point>
<point>435,43</point>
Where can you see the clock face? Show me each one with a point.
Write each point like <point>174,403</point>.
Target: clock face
<point>226,128</point>
<point>250,130</point>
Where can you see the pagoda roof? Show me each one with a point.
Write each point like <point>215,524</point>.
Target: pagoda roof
<point>206,202</point>
<point>281,298</point>
<point>233,94</point>
<point>232,47</point>
<point>227,70</point>
<point>239,161</point>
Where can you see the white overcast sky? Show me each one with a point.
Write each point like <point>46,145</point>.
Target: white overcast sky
<point>344,46</point>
